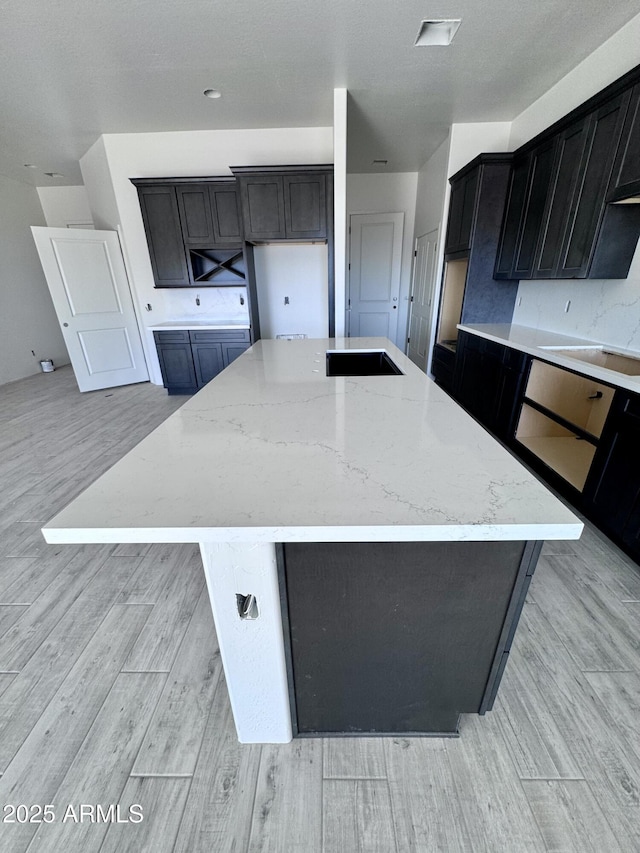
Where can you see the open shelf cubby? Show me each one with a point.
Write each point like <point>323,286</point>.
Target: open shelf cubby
<point>455,276</point>
<point>562,418</point>
<point>218,266</point>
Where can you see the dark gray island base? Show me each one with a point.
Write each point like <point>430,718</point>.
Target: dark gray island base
<point>398,637</point>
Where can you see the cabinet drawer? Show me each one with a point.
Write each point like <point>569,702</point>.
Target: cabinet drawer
<point>216,336</point>
<point>172,336</point>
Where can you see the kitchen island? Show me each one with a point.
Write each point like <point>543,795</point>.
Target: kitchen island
<point>367,545</point>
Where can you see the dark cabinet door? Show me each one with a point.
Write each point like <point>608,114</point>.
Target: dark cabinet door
<point>195,214</point>
<point>512,218</point>
<point>231,351</point>
<point>612,490</point>
<point>539,180</point>
<point>589,201</point>
<point>626,170</point>
<point>225,213</point>
<point>305,207</point>
<point>556,220</point>
<point>207,358</point>
<point>263,207</point>
<point>159,206</point>
<point>177,368</point>
<point>461,212</point>
<point>488,382</point>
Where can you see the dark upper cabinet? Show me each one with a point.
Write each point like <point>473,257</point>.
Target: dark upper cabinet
<point>462,207</point>
<point>281,204</point>
<point>195,214</point>
<point>159,206</point>
<point>225,213</point>
<point>626,170</point>
<point>557,223</point>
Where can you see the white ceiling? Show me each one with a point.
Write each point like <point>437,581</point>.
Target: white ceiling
<point>74,69</point>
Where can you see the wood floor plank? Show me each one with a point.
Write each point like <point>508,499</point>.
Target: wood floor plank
<point>21,641</point>
<point>287,814</point>
<point>39,766</point>
<point>619,692</point>
<point>11,570</point>
<point>115,737</point>
<point>9,614</point>
<point>161,637</point>
<point>577,608</point>
<point>357,817</point>
<point>129,549</point>
<point>427,812</point>
<point>37,683</point>
<point>172,743</point>
<point>608,561</point>
<point>489,789</point>
<point>6,680</point>
<point>152,576</point>
<point>42,570</point>
<point>162,802</point>
<point>218,813</point>
<point>354,758</point>
<point>585,724</point>
<point>569,817</point>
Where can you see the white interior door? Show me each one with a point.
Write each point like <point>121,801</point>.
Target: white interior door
<point>375,259</point>
<point>90,291</point>
<point>424,281</point>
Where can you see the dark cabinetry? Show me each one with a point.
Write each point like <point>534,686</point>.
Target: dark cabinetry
<point>488,382</point>
<point>193,231</point>
<point>612,492</point>
<point>282,204</point>
<point>557,223</point>
<point>191,358</point>
<point>462,206</point>
<point>626,170</point>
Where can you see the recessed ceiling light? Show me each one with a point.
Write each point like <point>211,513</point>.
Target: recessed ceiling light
<point>437,32</point>
<point>30,166</point>
<point>380,162</point>
<point>212,93</point>
<point>54,174</point>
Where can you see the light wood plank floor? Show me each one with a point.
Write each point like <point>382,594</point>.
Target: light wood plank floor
<point>112,691</point>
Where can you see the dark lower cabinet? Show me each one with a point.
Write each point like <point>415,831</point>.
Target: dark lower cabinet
<point>488,382</point>
<point>612,490</point>
<point>191,358</point>
<point>398,637</point>
<point>443,364</point>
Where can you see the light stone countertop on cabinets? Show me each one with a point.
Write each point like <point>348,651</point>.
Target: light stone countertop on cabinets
<point>273,450</point>
<point>176,325</point>
<point>549,346</point>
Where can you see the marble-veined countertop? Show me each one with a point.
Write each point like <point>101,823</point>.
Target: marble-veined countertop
<point>273,450</point>
<point>172,325</point>
<point>543,344</point>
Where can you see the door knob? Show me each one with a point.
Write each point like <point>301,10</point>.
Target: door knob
<point>65,325</point>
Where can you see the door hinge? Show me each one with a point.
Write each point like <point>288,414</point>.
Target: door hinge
<point>415,253</point>
<point>408,340</point>
<point>349,266</point>
<point>411,299</point>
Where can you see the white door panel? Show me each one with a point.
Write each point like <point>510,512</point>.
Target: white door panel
<point>374,274</point>
<point>88,284</point>
<point>424,280</point>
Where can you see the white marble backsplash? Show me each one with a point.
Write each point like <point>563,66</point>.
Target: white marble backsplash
<point>602,310</point>
<point>216,303</point>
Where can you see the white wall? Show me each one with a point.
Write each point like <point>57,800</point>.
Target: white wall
<point>299,273</point>
<point>607,311</point>
<point>65,207</point>
<point>390,193</point>
<point>606,64</point>
<point>115,158</point>
<point>340,106</point>
<point>27,318</point>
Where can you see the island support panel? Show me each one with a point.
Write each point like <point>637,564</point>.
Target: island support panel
<point>399,637</point>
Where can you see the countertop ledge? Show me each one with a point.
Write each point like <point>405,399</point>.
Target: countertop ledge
<point>535,341</point>
<point>273,450</point>
<point>168,325</point>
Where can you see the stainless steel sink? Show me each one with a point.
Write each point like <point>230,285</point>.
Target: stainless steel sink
<point>602,357</point>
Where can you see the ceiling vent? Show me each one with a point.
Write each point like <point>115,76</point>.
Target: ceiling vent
<point>437,32</point>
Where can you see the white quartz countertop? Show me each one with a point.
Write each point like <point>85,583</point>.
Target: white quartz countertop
<point>169,325</point>
<point>273,450</point>
<point>538,342</point>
